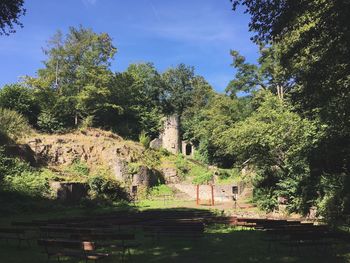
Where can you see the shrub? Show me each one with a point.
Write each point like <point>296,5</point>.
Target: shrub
<point>11,166</point>
<point>21,99</point>
<point>181,166</point>
<point>106,189</point>
<point>79,168</point>
<point>88,122</point>
<point>31,183</point>
<point>133,168</point>
<point>47,122</point>
<point>203,178</point>
<point>144,139</point>
<point>12,124</point>
<point>20,177</point>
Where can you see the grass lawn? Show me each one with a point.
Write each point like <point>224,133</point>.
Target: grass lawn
<point>219,244</point>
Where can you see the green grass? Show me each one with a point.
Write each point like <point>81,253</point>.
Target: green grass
<point>219,243</point>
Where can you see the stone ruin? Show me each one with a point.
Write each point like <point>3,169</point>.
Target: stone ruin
<point>170,138</point>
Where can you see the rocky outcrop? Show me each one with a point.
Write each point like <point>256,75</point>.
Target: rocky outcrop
<point>170,175</point>
<point>93,147</point>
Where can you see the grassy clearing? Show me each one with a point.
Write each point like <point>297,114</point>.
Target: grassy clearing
<point>219,244</point>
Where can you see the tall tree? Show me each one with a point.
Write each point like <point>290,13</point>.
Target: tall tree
<point>76,73</point>
<point>267,74</point>
<point>10,12</point>
<point>314,40</point>
<point>178,88</point>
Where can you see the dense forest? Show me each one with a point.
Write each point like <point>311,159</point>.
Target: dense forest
<point>285,116</point>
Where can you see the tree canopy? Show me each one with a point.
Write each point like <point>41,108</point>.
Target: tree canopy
<point>10,12</point>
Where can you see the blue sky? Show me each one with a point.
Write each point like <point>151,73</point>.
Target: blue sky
<point>199,33</point>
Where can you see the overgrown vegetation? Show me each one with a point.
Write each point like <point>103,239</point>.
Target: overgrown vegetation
<point>290,125</point>
<point>13,126</point>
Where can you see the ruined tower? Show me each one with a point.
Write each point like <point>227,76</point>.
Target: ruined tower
<point>170,138</point>
<point>171,134</point>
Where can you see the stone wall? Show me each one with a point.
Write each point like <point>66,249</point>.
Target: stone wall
<point>171,134</point>
<point>69,192</point>
<point>222,193</point>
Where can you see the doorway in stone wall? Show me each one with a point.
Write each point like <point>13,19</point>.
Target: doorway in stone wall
<point>188,149</point>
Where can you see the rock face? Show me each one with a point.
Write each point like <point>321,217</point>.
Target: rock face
<point>92,147</point>
<point>170,175</point>
<point>95,147</point>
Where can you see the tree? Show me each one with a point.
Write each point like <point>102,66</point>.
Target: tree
<point>10,12</point>
<point>21,99</point>
<point>12,125</point>
<point>75,74</point>
<point>277,142</point>
<point>206,124</point>
<point>268,74</point>
<point>178,88</point>
<point>313,37</point>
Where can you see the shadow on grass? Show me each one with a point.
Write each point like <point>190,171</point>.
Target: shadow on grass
<point>218,244</point>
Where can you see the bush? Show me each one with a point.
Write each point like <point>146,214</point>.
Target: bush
<point>181,166</point>
<point>133,168</point>
<point>47,122</point>
<point>21,99</point>
<point>200,175</point>
<point>20,177</point>
<point>11,166</point>
<point>31,183</point>
<point>78,168</point>
<point>88,122</point>
<point>144,139</point>
<point>106,189</point>
<point>12,124</point>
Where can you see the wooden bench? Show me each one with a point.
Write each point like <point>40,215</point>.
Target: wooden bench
<point>14,234</point>
<point>126,241</point>
<point>59,248</point>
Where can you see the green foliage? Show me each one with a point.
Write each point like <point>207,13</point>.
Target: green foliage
<point>21,99</point>
<point>311,41</point>
<point>178,87</point>
<point>151,158</point>
<point>201,175</point>
<point>144,139</point>
<point>11,11</point>
<point>81,86</point>
<point>13,124</point>
<point>88,122</point>
<point>227,176</point>
<point>47,122</point>
<point>29,183</point>
<point>209,122</point>
<point>182,166</point>
<point>277,141</point>
<point>160,190</point>
<point>18,176</point>
<point>334,197</point>
<point>78,168</point>
<point>105,188</point>
<point>133,168</point>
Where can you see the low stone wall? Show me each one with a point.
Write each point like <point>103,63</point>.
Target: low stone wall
<point>69,192</point>
<point>222,193</point>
